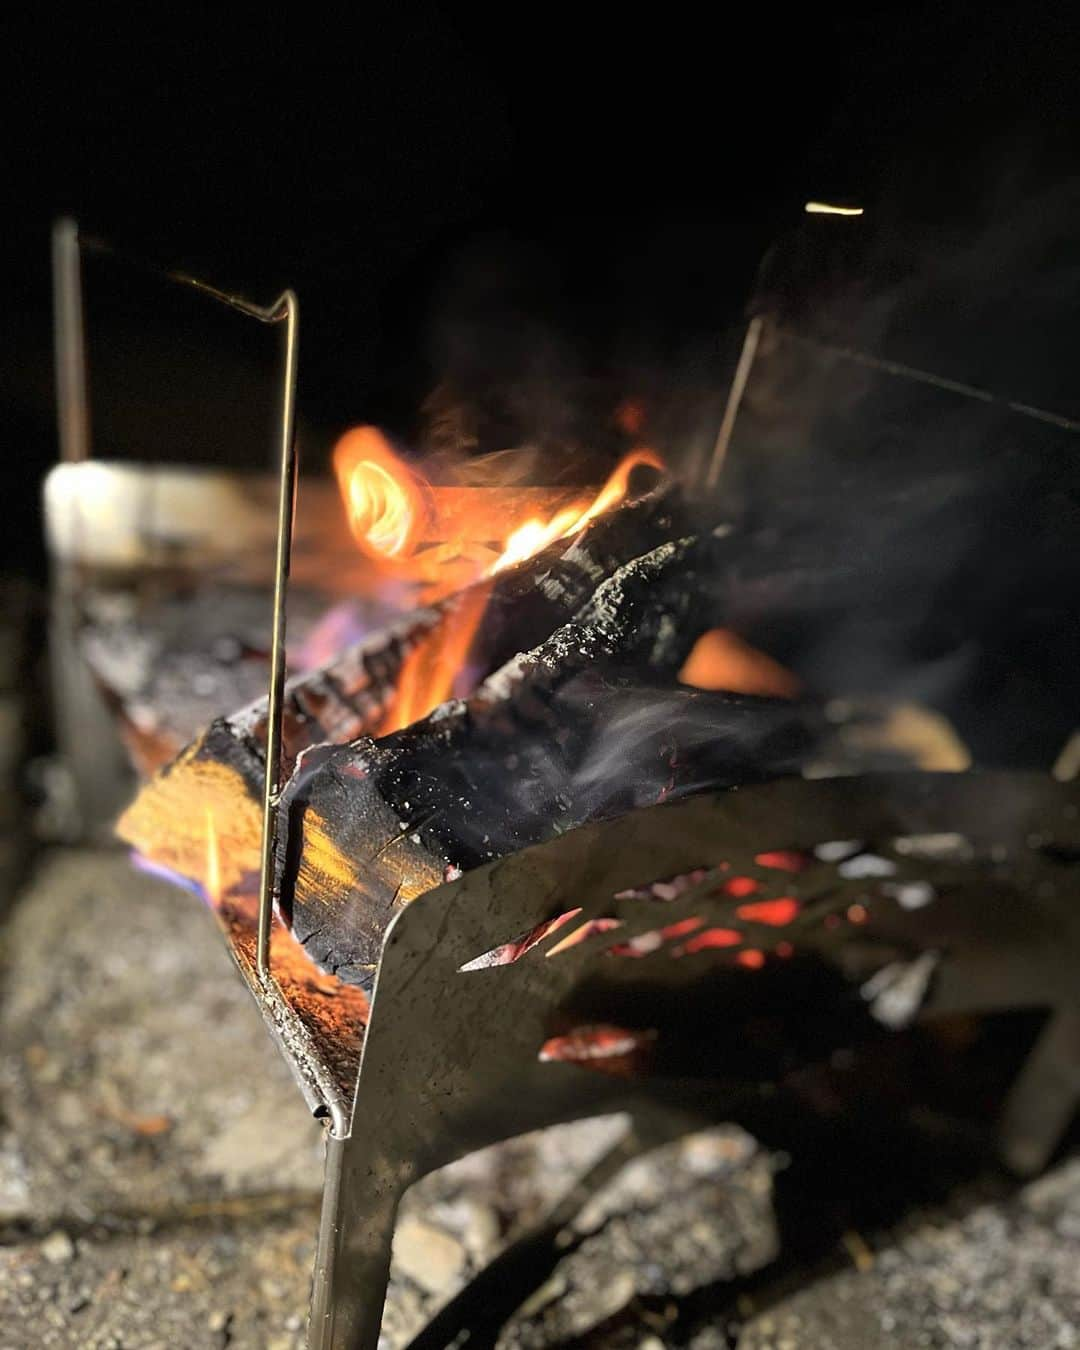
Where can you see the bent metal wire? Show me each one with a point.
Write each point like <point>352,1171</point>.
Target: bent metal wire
<point>906,895</point>
<point>74,432</point>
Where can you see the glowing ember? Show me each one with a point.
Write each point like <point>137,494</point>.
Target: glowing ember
<point>586,930</point>
<point>598,1046</point>
<point>737,887</point>
<point>709,939</point>
<point>752,959</point>
<point>680,929</point>
<point>670,889</point>
<point>775,913</point>
<point>784,860</point>
<point>514,950</point>
<point>646,943</point>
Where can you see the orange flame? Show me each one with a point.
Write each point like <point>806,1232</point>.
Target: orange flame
<point>212,882</point>
<point>430,671</point>
<point>392,510</point>
<point>720,659</point>
<point>535,535</point>
<point>384,499</point>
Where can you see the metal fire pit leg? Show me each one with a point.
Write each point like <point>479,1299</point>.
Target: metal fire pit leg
<point>1044,1098</point>
<point>360,1201</point>
<point>352,1260</point>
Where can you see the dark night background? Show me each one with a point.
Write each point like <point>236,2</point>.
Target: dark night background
<point>551,202</point>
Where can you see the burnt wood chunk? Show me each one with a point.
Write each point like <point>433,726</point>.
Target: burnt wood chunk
<point>589,724</point>
<point>222,770</point>
<point>219,776</point>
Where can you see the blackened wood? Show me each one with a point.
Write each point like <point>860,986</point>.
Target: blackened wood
<point>218,777</point>
<point>222,770</point>
<point>590,724</point>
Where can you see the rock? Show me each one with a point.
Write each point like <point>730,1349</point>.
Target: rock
<point>58,1248</point>
<point>687,1215</point>
<point>14,1179</point>
<point>429,1256</point>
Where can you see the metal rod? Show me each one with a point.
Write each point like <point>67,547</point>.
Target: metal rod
<point>938,381</point>
<point>75,444</point>
<point>886,367</point>
<point>735,397</point>
<point>73,414</point>
<point>282,558</point>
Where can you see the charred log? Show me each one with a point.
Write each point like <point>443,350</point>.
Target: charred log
<point>220,774</point>
<point>583,727</point>
<point>222,770</point>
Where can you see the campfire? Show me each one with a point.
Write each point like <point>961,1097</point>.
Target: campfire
<point>561,822</point>
<point>558,667</point>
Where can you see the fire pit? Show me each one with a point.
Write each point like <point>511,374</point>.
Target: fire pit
<point>588,884</point>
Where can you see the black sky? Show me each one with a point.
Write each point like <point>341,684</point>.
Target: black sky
<point>629,168</point>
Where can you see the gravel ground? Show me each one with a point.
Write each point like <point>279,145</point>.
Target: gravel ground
<point>137,1075</point>
<point>212,1285</point>
<point>1006,1277</point>
<point>159,1180</point>
<point>159,1173</point>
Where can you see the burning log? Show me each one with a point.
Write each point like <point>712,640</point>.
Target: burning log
<point>392,510</point>
<point>569,732</point>
<point>365,689</point>
<point>220,774</point>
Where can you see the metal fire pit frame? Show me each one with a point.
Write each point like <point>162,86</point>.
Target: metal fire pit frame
<point>452,1058</point>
